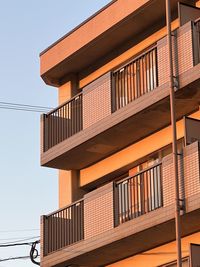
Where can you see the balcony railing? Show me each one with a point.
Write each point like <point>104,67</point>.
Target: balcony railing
<point>117,89</point>
<point>64,227</point>
<point>63,122</point>
<point>139,194</point>
<point>135,79</point>
<point>106,210</point>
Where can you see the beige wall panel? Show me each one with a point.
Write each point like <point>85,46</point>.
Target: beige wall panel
<point>98,211</point>
<point>182,53</point>
<point>96,100</point>
<point>168,181</point>
<point>191,170</point>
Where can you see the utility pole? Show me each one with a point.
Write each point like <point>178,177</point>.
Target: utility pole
<point>174,135</point>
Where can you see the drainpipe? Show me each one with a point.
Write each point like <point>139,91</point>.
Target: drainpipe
<point>174,138</point>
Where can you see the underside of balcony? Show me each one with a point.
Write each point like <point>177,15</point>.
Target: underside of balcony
<point>127,125</point>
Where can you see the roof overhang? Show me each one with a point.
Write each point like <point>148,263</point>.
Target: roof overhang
<point>100,35</point>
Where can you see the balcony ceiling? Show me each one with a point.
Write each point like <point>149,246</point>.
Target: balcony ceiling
<point>61,59</point>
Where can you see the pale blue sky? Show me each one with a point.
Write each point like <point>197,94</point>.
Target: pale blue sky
<point>26,189</point>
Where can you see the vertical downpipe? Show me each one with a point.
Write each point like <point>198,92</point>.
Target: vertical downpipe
<point>174,142</point>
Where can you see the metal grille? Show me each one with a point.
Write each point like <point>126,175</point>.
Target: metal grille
<point>64,227</point>
<point>63,122</point>
<point>134,79</point>
<point>137,195</point>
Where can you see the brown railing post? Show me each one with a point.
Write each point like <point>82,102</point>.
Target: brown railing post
<point>43,236</point>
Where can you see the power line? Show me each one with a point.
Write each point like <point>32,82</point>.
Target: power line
<point>20,240</point>
<point>15,258</point>
<point>15,244</point>
<point>33,252</point>
<point>19,230</point>
<point>19,244</point>
<point>24,107</point>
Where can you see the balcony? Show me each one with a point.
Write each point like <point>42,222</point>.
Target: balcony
<point>117,109</point>
<point>126,212</point>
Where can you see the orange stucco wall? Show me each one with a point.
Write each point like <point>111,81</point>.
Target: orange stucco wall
<point>132,153</point>
<point>160,255</point>
<point>65,188</point>
<point>65,177</point>
<point>64,92</point>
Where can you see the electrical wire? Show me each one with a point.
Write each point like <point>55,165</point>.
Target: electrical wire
<point>22,230</point>
<point>16,244</point>
<point>33,252</point>
<point>12,244</point>
<point>24,107</point>
<point>15,258</point>
<point>20,240</point>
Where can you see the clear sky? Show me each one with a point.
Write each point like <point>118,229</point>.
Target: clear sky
<point>26,189</point>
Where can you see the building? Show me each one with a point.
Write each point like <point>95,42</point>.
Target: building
<point>110,138</point>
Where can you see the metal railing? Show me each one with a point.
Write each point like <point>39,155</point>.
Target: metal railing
<point>139,194</point>
<point>135,79</point>
<point>63,122</point>
<point>64,227</point>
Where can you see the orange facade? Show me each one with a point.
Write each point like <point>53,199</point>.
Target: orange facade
<point>110,137</point>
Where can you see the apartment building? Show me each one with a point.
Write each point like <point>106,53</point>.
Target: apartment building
<point>110,138</point>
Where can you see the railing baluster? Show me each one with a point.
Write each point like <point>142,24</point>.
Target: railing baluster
<point>64,227</point>
<point>63,122</point>
<point>136,195</point>
<point>135,79</point>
